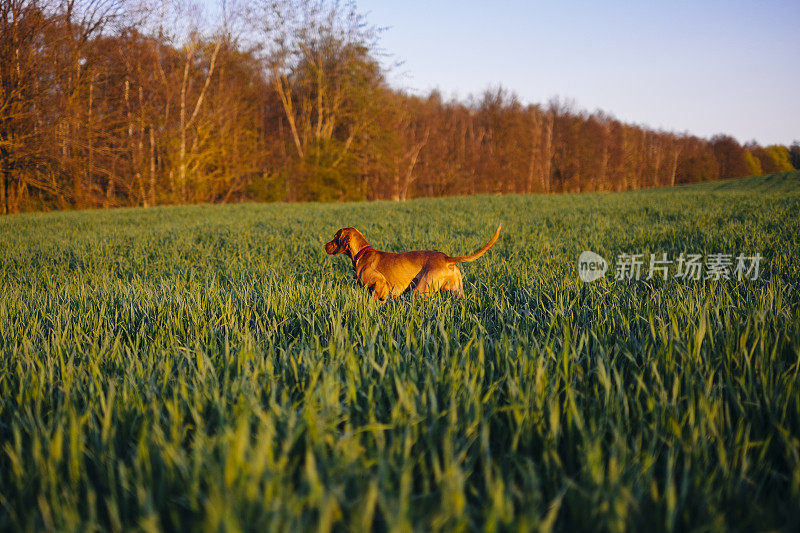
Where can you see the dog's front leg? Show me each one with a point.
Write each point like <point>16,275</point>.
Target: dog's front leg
<point>377,285</point>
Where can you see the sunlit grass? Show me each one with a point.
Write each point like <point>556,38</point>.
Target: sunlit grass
<point>210,366</point>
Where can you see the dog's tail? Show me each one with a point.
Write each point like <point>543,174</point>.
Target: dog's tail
<point>473,257</point>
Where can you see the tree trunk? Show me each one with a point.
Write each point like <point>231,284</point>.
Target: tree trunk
<point>602,177</point>
<point>674,167</point>
<point>548,152</point>
<point>396,193</point>
<point>532,156</point>
<point>186,124</point>
<point>284,92</point>
<point>414,156</point>
<point>152,167</point>
<point>5,183</point>
<point>182,149</point>
<point>90,135</point>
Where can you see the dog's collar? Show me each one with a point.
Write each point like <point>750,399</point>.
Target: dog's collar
<point>362,252</point>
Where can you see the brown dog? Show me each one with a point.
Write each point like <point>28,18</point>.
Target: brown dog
<point>388,274</point>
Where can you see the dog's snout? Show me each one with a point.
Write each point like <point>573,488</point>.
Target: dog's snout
<point>330,247</point>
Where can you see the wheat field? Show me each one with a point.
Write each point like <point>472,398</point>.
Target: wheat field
<point>210,368</point>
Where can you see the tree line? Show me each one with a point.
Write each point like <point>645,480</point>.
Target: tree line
<point>113,103</point>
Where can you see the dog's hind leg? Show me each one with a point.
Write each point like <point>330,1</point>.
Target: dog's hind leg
<point>452,281</point>
<point>440,279</point>
<point>456,283</point>
<point>425,284</point>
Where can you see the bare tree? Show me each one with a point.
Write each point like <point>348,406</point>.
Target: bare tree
<point>317,55</point>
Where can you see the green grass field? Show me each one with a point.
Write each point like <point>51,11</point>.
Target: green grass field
<point>211,368</point>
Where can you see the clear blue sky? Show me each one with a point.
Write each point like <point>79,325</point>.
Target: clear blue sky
<point>704,67</point>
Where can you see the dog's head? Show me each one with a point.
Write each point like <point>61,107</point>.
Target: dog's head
<point>341,242</point>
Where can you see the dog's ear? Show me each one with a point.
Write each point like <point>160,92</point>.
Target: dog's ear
<point>344,239</point>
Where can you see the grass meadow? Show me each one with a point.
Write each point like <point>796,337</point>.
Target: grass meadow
<point>210,368</point>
